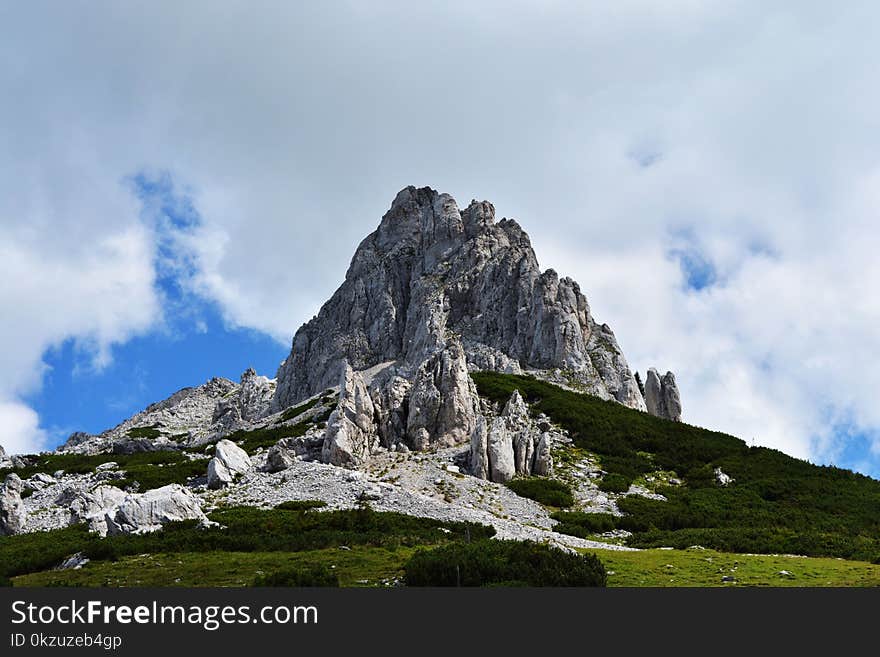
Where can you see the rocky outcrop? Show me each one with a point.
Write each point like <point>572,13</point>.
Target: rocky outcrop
<point>229,462</point>
<point>510,444</point>
<point>722,478</point>
<point>661,395</point>
<point>190,417</point>
<point>2,454</point>
<point>443,401</point>
<point>352,433</point>
<point>92,507</point>
<point>250,402</point>
<point>147,512</point>
<point>431,271</point>
<point>479,454</point>
<point>75,439</point>
<point>12,513</point>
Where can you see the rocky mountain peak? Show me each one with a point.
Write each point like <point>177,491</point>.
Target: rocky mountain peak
<point>432,293</point>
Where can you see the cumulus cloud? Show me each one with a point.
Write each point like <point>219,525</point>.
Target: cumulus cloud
<point>708,172</point>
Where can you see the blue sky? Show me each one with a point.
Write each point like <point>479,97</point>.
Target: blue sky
<point>76,396</point>
<point>708,173</point>
<point>191,345</point>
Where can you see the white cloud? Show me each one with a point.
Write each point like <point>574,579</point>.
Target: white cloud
<point>295,128</point>
<point>20,432</point>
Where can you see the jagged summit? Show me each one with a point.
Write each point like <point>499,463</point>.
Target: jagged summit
<point>431,273</point>
<point>434,293</point>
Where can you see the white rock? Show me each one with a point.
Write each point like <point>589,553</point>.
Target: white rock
<point>499,449</point>
<point>229,462</point>
<point>723,479</point>
<point>12,512</point>
<point>352,434</point>
<point>109,465</point>
<point>147,512</point>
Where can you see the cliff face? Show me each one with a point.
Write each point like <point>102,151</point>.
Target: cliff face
<point>431,274</point>
<point>432,293</point>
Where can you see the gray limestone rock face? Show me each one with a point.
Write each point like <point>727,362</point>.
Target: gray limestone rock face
<point>543,463</point>
<point>91,507</point>
<point>12,513</point>
<point>479,456</point>
<point>2,453</point>
<point>661,395</point>
<point>443,401</point>
<point>147,512</point>
<point>229,462</point>
<point>510,444</point>
<point>352,434</point>
<point>250,401</point>
<point>502,463</point>
<point>430,271</point>
<point>75,439</point>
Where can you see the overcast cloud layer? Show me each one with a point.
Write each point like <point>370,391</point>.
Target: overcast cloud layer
<point>708,171</point>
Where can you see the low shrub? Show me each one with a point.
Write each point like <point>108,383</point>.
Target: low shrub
<point>291,413</point>
<point>550,492</point>
<point>251,441</point>
<point>150,432</point>
<point>317,575</point>
<point>614,483</point>
<point>301,505</point>
<point>588,523</point>
<point>490,562</point>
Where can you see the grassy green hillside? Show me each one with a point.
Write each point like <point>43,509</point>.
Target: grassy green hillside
<point>294,545</point>
<point>777,504</point>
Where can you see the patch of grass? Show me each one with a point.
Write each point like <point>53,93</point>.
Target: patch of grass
<point>578,523</point>
<point>614,483</point>
<point>291,413</point>
<point>487,563</point>
<point>550,492</point>
<point>251,441</point>
<point>150,476</point>
<point>778,504</point>
<point>246,529</point>
<point>301,505</point>
<point>150,432</point>
<point>36,551</point>
<point>318,575</point>
<point>359,566</point>
<point>695,567</point>
<point>366,540</point>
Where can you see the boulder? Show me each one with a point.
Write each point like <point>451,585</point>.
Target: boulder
<point>229,462</point>
<point>278,458</point>
<point>147,512</point>
<point>40,480</point>
<point>91,507</point>
<point>723,479</point>
<point>12,513</point>
<point>73,562</point>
